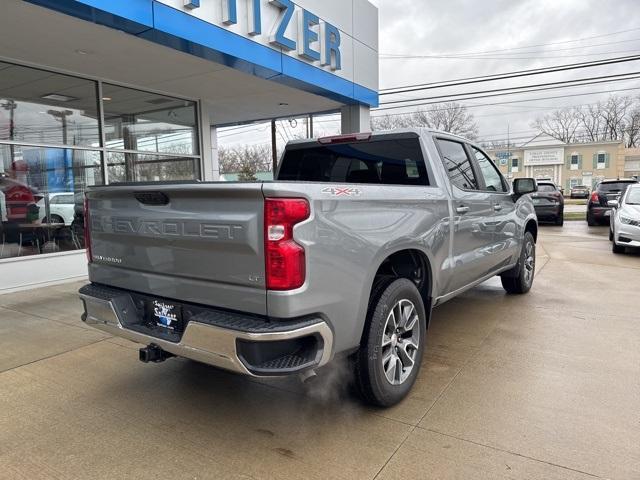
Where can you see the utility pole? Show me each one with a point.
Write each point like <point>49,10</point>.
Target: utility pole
<point>509,166</point>
<point>274,148</point>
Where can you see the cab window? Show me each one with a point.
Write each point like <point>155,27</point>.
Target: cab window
<point>493,181</point>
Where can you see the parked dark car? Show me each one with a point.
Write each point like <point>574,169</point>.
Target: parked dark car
<point>599,206</point>
<point>579,191</point>
<point>549,202</point>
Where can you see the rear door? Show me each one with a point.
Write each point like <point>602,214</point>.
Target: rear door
<point>473,220</point>
<point>200,243</point>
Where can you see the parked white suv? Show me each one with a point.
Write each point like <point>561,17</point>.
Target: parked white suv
<point>60,208</point>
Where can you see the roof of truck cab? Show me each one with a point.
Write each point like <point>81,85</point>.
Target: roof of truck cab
<point>381,133</point>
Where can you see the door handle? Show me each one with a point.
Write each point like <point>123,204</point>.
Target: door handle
<point>497,207</point>
<point>462,209</point>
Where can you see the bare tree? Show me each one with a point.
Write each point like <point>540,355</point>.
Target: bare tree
<point>616,119</point>
<point>632,134</point>
<point>590,119</point>
<point>245,159</point>
<point>451,117</point>
<point>561,124</point>
<point>614,113</point>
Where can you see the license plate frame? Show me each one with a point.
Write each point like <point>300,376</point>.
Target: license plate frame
<point>165,315</point>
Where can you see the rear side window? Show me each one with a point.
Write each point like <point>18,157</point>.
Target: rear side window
<point>457,164</point>
<point>492,179</point>
<point>388,162</point>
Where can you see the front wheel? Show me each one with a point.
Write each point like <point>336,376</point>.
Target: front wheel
<point>615,248</point>
<point>520,278</point>
<point>387,364</point>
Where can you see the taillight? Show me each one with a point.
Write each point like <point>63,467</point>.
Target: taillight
<point>87,230</point>
<point>284,258</point>
<point>595,198</point>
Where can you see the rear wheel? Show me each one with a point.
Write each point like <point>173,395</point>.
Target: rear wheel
<point>520,279</point>
<point>590,220</point>
<point>560,219</point>
<point>387,364</point>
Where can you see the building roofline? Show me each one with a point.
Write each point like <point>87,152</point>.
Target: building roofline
<point>557,145</point>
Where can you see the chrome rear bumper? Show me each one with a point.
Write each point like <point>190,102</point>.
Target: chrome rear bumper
<point>207,337</point>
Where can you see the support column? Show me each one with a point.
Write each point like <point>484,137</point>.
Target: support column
<point>210,164</point>
<point>355,119</point>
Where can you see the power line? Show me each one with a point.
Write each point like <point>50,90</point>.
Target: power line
<point>513,101</point>
<point>559,84</point>
<point>429,57</point>
<point>508,75</point>
<point>544,44</point>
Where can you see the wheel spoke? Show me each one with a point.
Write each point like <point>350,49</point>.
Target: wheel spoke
<point>386,340</point>
<point>386,357</point>
<point>398,375</point>
<point>392,318</point>
<point>390,369</point>
<point>407,311</point>
<point>411,323</point>
<point>405,356</point>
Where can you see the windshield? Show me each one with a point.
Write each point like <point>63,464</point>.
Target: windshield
<point>546,187</point>
<point>614,186</point>
<point>633,197</point>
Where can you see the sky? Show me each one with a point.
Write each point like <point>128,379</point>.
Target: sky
<point>449,39</point>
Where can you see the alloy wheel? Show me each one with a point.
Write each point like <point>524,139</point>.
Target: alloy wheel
<point>400,342</point>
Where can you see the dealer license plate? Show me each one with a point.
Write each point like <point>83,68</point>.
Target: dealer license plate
<point>166,315</point>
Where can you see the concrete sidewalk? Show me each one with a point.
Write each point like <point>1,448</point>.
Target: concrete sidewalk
<point>542,386</point>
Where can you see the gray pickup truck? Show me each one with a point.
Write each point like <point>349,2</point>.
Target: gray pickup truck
<point>344,255</point>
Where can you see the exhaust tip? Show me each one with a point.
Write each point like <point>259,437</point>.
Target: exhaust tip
<point>308,376</point>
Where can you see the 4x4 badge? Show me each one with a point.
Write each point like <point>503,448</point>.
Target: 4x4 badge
<point>342,191</point>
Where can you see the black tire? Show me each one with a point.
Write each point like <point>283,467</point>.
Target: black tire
<point>615,248</point>
<point>520,279</point>
<point>590,220</point>
<point>610,235</point>
<point>371,380</point>
<point>560,219</point>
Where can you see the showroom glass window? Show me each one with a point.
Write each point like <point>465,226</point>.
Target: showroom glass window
<point>149,137</point>
<point>54,144</point>
<point>49,147</point>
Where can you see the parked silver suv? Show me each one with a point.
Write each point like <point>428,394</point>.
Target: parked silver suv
<point>345,254</point>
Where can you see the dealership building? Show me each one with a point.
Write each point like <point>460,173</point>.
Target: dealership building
<point>94,92</point>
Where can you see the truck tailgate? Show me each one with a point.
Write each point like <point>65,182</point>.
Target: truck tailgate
<point>200,243</point>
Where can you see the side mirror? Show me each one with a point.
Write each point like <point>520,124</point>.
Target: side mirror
<point>523,186</point>
<point>614,203</point>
